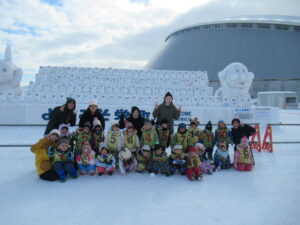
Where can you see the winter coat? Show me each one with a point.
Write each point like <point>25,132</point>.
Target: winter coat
<point>207,138</point>
<point>80,137</point>
<point>170,113</point>
<point>164,136</point>
<point>222,135</point>
<point>240,132</point>
<point>137,123</point>
<point>43,163</point>
<point>59,155</point>
<point>88,117</point>
<point>182,139</point>
<point>222,159</point>
<point>58,117</point>
<point>243,155</point>
<point>113,140</point>
<point>193,162</point>
<point>194,134</point>
<point>149,137</point>
<point>160,162</point>
<point>128,165</point>
<point>96,139</point>
<point>131,142</point>
<point>105,161</point>
<point>143,162</point>
<point>86,160</point>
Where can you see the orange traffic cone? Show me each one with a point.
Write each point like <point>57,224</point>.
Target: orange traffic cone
<point>267,143</point>
<point>256,144</point>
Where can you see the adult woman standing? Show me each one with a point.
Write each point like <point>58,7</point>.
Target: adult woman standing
<point>135,118</point>
<point>167,110</point>
<point>62,114</point>
<point>90,114</point>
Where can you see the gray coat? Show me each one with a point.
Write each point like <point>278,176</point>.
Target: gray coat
<point>170,113</point>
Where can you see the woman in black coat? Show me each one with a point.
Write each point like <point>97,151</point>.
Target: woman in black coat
<point>91,113</point>
<point>135,118</point>
<point>239,130</point>
<point>62,114</point>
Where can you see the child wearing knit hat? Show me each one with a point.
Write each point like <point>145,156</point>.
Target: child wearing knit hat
<point>143,158</point>
<point>86,161</point>
<point>80,136</point>
<point>206,167</point>
<point>222,134</point>
<point>182,137</point>
<point>97,135</point>
<point>207,138</point>
<point>194,131</point>
<point>63,160</point>
<point>159,161</point>
<point>177,160</point>
<point>149,135</point>
<point>130,138</point>
<point>243,157</point>
<point>164,133</point>
<point>193,171</point>
<point>105,161</point>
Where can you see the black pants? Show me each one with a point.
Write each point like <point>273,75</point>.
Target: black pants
<point>49,175</point>
<point>208,154</point>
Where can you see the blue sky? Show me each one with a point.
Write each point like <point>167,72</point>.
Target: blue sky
<point>101,33</point>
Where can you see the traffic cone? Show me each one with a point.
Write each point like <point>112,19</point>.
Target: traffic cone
<point>256,144</point>
<point>267,143</point>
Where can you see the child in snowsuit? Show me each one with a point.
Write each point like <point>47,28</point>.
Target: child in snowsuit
<point>221,157</point>
<point>130,138</point>
<point>149,135</point>
<point>243,157</point>
<point>159,161</point>
<point>206,167</point>
<point>164,133</point>
<point>64,133</point>
<point>127,161</point>
<point>177,160</point>
<point>97,135</point>
<point>63,160</point>
<point>43,162</point>
<point>105,161</point>
<point>86,161</point>
<point>193,171</point>
<point>222,134</point>
<point>80,136</point>
<point>207,139</point>
<point>113,139</point>
<point>194,131</point>
<point>143,158</point>
<point>182,137</point>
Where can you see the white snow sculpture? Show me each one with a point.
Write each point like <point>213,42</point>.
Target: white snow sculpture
<point>235,81</point>
<point>10,75</point>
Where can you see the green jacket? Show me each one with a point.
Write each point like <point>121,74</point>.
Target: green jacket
<point>79,138</point>
<point>170,113</point>
<point>182,139</point>
<point>207,138</point>
<point>149,137</point>
<point>164,136</point>
<point>194,134</point>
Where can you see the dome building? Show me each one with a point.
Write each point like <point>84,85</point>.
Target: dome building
<point>268,45</point>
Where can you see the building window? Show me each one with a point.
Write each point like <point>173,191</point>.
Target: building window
<point>231,25</point>
<point>281,27</point>
<point>263,25</point>
<point>247,25</point>
<point>297,28</point>
<point>290,100</point>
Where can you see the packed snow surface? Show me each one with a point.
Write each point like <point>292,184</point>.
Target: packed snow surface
<point>267,195</point>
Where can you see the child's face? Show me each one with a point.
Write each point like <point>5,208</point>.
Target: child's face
<point>146,153</point>
<point>130,130</point>
<point>158,151</point>
<point>177,151</point>
<point>86,130</point>
<point>181,130</point>
<point>223,148</point>
<point>63,147</point>
<point>148,126</point>
<point>193,126</point>
<point>64,130</point>
<point>222,125</point>
<point>53,137</point>
<point>164,125</point>
<point>115,127</point>
<point>104,151</point>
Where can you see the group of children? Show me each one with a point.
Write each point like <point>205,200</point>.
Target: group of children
<point>89,151</point>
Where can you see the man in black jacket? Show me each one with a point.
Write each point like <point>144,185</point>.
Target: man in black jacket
<point>62,114</point>
<point>239,130</point>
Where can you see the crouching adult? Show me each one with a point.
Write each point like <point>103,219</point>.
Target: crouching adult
<point>43,163</point>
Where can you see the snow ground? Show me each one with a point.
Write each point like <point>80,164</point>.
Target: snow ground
<point>267,195</point>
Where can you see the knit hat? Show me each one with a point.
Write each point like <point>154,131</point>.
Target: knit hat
<point>62,126</point>
<point>168,94</point>
<point>63,140</point>
<point>244,140</point>
<point>55,131</point>
<point>124,154</point>
<point>93,102</point>
<point>87,124</point>
<point>192,149</point>
<point>194,121</point>
<point>181,125</point>
<point>208,126</point>
<point>221,121</point>
<point>146,148</point>
<point>96,122</point>
<point>200,146</point>
<point>177,147</point>
<point>164,121</point>
<point>102,146</point>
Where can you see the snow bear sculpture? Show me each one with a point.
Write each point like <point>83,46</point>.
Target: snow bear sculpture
<point>235,81</point>
<point>10,75</point>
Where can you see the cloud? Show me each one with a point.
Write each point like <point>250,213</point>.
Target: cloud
<point>119,33</point>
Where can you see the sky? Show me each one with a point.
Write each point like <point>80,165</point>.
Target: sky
<point>102,33</point>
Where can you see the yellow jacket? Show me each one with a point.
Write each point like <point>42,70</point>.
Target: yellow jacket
<point>42,161</point>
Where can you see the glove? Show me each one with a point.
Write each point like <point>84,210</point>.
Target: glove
<point>108,162</point>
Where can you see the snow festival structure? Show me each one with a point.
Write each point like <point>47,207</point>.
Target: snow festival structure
<point>117,90</point>
<point>268,44</point>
